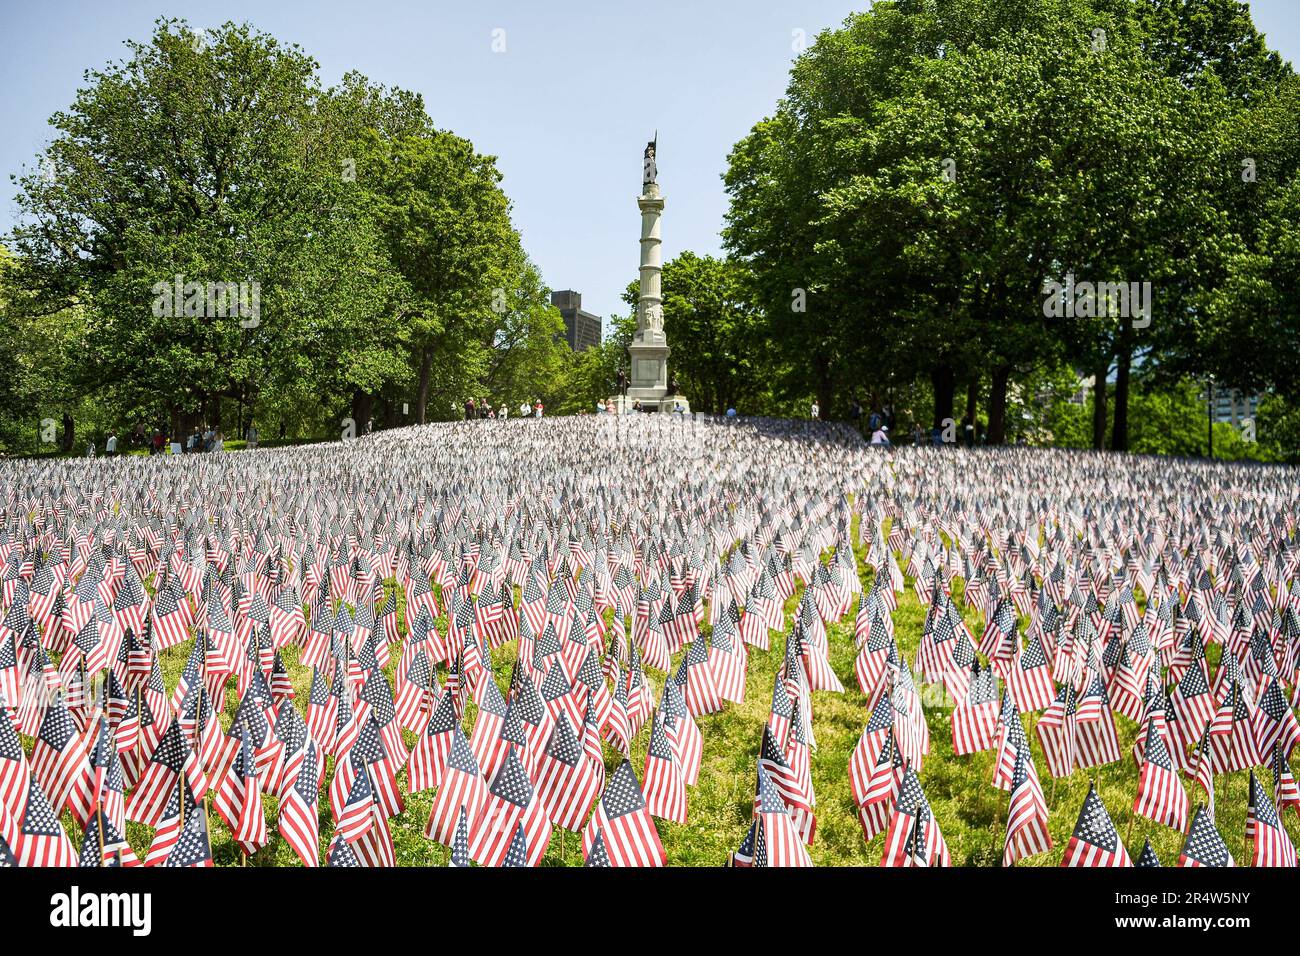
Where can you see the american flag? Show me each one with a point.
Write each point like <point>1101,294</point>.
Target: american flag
<point>1232,733</point>
<point>58,754</point>
<point>104,845</point>
<point>1285,792</point>
<point>100,785</point>
<point>1029,677</point>
<point>1272,845</point>
<point>1274,723</point>
<point>194,846</point>
<point>462,794</point>
<point>683,733</point>
<point>621,831</point>
<point>1095,841</point>
<point>1204,846</point>
<point>172,760</point>
<point>299,819</point>
<point>512,812</point>
<point>1160,795</point>
<point>460,842</point>
<point>14,769</point>
<point>777,839</point>
<point>914,838</point>
<point>665,788</point>
<point>39,837</point>
<point>238,799</point>
<point>567,782</point>
<point>974,719</point>
<point>1147,859</point>
<point>429,759</point>
<point>1027,832</point>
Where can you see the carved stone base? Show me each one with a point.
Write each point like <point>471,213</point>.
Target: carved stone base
<point>657,400</point>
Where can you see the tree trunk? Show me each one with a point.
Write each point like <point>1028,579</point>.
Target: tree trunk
<point>972,399</point>
<point>1099,406</point>
<point>363,406</point>
<point>422,394</point>
<point>1119,428</point>
<point>390,413</point>
<point>825,390</point>
<point>69,432</point>
<point>945,388</point>
<point>997,433</point>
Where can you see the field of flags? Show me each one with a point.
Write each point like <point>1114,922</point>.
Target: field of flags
<point>647,640</point>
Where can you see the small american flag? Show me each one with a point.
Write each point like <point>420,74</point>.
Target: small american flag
<point>621,831</point>
<point>1272,845</point>
<point>1160,795</point>
<point>1027,832</point>
<point>1095,841</point>
<point>1204,846</point>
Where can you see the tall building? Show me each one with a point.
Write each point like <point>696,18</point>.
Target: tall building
<point>1232,406</point>
<point>581,329</point>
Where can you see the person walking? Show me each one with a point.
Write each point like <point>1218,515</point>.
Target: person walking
<point>110,446</point>
<point>855,416</point>
<point>251,437</point>
<point>524,410</point>
<point>816,411</point>
<point>538,409</point>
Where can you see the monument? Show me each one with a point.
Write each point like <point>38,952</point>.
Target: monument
<point>649,382</point>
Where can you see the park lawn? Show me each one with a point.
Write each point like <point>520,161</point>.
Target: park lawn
<point>971,812</point>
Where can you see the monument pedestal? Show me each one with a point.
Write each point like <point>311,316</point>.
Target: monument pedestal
<point>652,402</point>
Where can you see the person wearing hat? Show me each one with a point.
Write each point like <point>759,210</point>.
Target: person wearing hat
<point>881,435</point>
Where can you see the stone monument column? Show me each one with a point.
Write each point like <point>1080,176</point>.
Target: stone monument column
<point>649,381</point>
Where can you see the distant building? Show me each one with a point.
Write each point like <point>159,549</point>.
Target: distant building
<point>581,329</point>
<point>1231,406</point>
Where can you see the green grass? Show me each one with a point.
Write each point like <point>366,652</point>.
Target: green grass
<point>971,812</point>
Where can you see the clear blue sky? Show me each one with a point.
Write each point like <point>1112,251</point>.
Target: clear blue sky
<point>567,109</point>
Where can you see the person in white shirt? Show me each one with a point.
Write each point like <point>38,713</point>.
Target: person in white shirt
<point>110,446</point>
<point>816,410</point>
<point>524,410</point>
<point>503,412</point>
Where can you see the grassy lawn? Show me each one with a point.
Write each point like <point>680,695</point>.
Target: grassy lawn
<point>971,812</point>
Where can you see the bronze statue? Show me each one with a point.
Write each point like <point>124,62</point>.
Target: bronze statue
<point>650,170</point>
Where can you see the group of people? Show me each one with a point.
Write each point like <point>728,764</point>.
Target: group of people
<point>482,408</point>
<point>878,423</point>
<point>203,439</point>
<point>210,439</point>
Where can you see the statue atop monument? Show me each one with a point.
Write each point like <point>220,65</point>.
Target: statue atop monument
<point>650,172</point>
